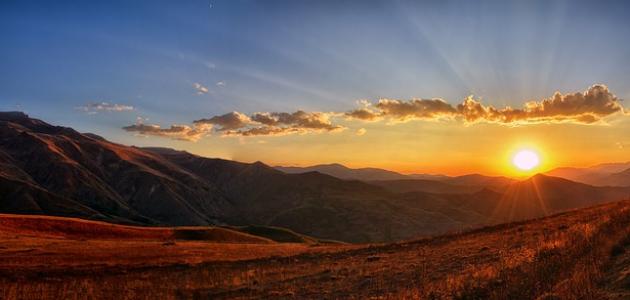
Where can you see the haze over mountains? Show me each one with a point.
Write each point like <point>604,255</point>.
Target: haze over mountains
<point>609,174</point>
<point>55,170</point>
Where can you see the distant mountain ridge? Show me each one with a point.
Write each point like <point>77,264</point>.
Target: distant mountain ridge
<point>608,174</point>
<point>55,170</point>
<point>363,174</point>
<point>405,183</point>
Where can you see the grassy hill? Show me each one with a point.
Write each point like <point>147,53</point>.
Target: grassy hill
<point>571,255</point>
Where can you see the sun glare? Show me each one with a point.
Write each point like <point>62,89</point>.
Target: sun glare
<point>526,160</point>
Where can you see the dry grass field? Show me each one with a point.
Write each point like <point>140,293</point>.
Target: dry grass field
<point>579,254</point>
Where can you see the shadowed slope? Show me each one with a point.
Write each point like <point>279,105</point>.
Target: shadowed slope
<point>117,181</point>
<point>542,195</point>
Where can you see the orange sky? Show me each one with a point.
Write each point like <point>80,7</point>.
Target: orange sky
<point>443,146</point>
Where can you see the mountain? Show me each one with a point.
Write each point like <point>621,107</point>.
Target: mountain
<point>447,185</point>
<point>56,170</point>
<point>402,183</point>
<point>317,204</point>
<point>425,185</point>
<point>609,174</point>
<point>478,180</point>
<point>46,166</point>
<point>363,174</point>
<point>541,195</point>
<point>618,179</point>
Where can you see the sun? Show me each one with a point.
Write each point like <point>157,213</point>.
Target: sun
<point>526,160</point>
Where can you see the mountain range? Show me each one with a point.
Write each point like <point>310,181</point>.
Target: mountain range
<point>609,174</point>
<point>363,174</point>
<point>55,170</point>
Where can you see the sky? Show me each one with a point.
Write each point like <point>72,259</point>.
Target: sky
<point>449,87</point>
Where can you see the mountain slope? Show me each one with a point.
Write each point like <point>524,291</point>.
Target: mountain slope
<point>118,182</point>
<point>541,195</point>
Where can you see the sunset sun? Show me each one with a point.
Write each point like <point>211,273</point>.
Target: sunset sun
<point>526,160</point>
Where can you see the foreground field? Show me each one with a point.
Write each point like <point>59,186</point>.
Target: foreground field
<point>559,257</point>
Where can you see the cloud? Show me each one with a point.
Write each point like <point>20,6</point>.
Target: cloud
<point>238,124</point>
<point>272,123</point>
<point>264,131</point>
<point>403,111</point>
<point>221,84</point>
<point>177,132</point>
<point>364,114</point>
<point>200,88</point>
<point>229,121</point>
<point>415,109</point>
<point>298,119</point>
<point>96,107</point>
<point>587,107</point>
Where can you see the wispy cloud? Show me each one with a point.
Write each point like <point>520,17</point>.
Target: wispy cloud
<point>221,83</point>
<point>96,107</point>
<point>200,88</point>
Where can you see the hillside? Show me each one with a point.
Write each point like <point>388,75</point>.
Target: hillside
<point>76,229</point>
<point>52,166</point>
<point>566,256</point>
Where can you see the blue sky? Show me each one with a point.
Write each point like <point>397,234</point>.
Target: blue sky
<point>288,55</point>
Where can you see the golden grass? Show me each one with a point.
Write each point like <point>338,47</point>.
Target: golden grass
<point>558,257</point>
